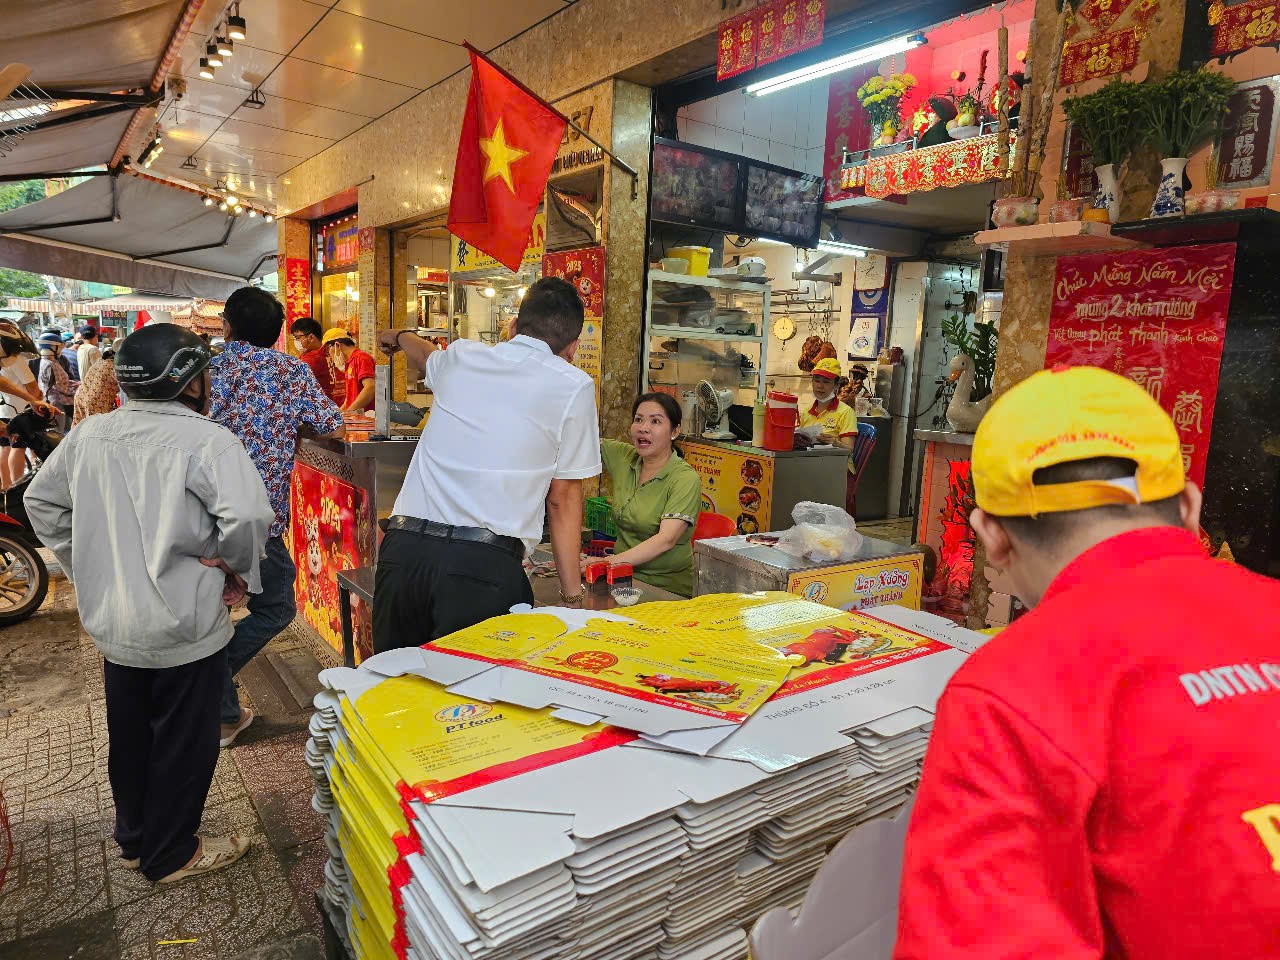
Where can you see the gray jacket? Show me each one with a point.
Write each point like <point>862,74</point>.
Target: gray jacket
<point>129,502</point>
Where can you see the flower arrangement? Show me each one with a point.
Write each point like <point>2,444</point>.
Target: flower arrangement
<point>1182,111</point>
<point>967,110</point>
<point>882,97</point>
<point>1105,119</point>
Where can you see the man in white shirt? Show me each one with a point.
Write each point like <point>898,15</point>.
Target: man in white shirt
<point>88,353</point>
<point>513,431</point>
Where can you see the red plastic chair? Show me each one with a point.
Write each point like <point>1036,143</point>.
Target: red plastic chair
<point>712,525</point>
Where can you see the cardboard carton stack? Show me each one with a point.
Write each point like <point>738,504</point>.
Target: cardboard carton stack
<point>466,830</point>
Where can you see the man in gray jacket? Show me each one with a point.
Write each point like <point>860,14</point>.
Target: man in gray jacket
<point>158,516</point>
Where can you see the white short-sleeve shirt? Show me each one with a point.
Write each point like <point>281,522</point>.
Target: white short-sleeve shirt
<point>506,420</point>
<point>16,369</point>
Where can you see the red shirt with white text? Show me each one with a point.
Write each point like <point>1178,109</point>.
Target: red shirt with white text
<point>1103,778</point>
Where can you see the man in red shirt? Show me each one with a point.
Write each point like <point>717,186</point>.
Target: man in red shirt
<point>306,334</point>
<point>358,366</point>
<point>1103,778</point>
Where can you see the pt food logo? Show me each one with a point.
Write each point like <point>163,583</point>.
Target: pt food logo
<point>592,661</point>
<point>816,591</point>
<point>463,712</point>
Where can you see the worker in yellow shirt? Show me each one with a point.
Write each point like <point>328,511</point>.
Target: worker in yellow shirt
<point>839,424</point>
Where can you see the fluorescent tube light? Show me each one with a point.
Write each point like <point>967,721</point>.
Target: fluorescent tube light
<point>840,248</point>
<point>876,51</point>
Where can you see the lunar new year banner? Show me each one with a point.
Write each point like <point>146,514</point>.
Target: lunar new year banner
<point>585,270</point>
<point>331,529</point>
<point>1156,316</point>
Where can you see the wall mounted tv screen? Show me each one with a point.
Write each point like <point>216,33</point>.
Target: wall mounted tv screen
<point>782,204</point>
<point>696,187</point>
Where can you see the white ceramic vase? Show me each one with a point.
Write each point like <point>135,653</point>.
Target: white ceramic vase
<point>1169,201</point>
<point>1107,196</point>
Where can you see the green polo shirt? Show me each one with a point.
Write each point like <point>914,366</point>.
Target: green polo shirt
<point>639,509</point>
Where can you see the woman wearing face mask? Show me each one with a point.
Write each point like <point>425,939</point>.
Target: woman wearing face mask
<point>656,497</point>
<point>839,424</point>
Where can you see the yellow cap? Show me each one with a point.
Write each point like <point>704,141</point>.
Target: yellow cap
<point>829,368</point>
<point>1064,415</point>
<point>332,334</point>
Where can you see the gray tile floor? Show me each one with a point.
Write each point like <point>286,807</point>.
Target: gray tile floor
<point>67,896</point>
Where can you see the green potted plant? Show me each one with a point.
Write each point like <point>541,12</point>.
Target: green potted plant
<point>1105,121</point>
<point>1177,115</point>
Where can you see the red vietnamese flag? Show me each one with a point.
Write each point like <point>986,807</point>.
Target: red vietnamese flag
<point>509,142</point>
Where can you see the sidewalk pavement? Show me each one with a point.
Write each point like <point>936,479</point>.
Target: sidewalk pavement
<point>67,895</point>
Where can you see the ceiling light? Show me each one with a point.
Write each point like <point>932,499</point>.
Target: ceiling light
<point>223,206</point>
<point>490,292</point>
<point>225,47</point>
<point>252,212</point>
<point>255,100</point>
<point>521,292</point>
<point>211,54</point>
<point>268,217</point>
<point>233,199</point>
<point>189,163</point>
<point>206,71</point>
<point>236,28</point>
<point>208,201</point>
<point>877,51</point>
<point>840,248</point>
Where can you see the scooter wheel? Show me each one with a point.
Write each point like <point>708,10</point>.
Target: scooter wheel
<point>24,581</point>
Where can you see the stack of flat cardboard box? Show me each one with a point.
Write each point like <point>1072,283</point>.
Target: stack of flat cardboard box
<point>462,829</point>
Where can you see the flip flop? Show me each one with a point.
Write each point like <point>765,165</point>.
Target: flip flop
<point>215,854</point>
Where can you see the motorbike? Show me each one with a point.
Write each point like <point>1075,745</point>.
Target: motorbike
<point>24,577</point>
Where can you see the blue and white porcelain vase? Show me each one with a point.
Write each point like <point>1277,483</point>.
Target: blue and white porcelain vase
<point>1107,196</point>
<point>1169,200</point>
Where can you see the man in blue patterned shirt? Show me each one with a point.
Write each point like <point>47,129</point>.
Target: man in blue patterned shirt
<point>267,399</point>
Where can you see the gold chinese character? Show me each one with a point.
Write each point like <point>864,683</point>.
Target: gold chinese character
<point>1188,451</point>
<point>1188,411</point>
<point>1150,379</point>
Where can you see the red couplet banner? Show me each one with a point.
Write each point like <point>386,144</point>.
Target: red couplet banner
<point>1156,316</point>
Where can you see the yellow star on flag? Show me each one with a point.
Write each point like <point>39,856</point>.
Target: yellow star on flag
<point>500,155</point>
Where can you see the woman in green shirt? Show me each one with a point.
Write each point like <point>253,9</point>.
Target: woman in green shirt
<point>656,496</point>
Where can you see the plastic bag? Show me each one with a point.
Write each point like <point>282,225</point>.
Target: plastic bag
<point>822,534</point>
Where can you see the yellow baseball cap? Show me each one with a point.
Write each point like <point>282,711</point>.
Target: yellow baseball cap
<point>1064,415</point>
<point>829,368</point>
<point>332,334</point>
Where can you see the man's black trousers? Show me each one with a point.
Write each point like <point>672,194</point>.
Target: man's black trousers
<point>164,727</point>
<point>427,587</point>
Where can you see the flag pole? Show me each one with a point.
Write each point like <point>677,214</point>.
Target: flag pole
<point>626,167</point>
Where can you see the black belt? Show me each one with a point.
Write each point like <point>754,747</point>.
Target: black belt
<point>430,528</point>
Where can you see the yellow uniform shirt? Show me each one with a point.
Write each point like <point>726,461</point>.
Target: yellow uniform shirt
<point>837,418</point>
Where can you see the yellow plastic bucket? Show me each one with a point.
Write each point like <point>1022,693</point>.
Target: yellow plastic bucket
<point>699,259</point>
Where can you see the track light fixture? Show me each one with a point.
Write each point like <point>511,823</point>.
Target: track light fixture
<point>225,47</point>
<point>211,54</point>
<point>236,28</point>
<point>206,70</point>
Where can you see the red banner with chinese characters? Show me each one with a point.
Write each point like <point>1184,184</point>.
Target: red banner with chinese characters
<point>1244,26</point>
<point>768,33</point>
<point>737,39</point>
<point>1156,316</point>
<point>947,165</point>
<point>585,270</point>
<point>330,530</point>
<point>1100,56</point>
<point>1102,13</point>
<point>297,289</point>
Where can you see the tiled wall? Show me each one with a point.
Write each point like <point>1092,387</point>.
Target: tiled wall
<point>788,128</point>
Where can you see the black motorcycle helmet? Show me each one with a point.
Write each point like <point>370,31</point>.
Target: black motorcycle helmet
<point>158,361</point>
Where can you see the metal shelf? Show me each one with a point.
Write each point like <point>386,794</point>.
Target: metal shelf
<point>740,286</point>
<point>695,333</point>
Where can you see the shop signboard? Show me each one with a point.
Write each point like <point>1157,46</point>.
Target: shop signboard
<point>585,270</point>
<point>1249,134</point>
<point>330,530</point>
<point>863,584</point>
<point>464,258</point>
<point>297,290</point>
<point>737,485</point>
<point>1156,316</point>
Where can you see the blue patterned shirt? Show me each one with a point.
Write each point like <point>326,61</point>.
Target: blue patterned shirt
<point>264,397</point>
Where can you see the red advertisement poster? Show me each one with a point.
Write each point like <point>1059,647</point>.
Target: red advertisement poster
<point>297,289</point>
<point>1156,316</point>
<point>330,530</point>
<point>585,270</point>
<point>1245,25</point>
<point>737,50</point>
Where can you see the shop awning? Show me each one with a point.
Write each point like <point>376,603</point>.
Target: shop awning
<point>86,46</point>
<point>126,302</point>
<point>138,232</point>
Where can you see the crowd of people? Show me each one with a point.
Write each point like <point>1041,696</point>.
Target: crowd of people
<point>1097,782</point>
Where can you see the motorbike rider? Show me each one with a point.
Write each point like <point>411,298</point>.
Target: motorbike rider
<point>159,518</point>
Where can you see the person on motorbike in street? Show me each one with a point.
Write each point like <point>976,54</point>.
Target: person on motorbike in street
<point>22,393</point>
<point>159,519</point>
